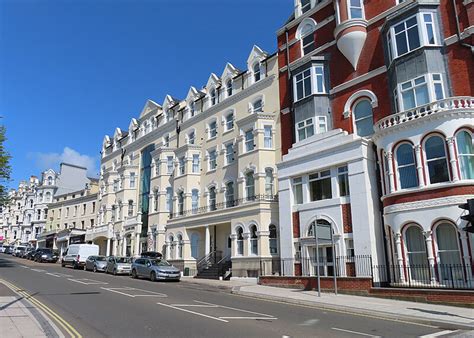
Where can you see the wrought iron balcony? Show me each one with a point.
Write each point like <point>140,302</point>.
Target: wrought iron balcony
<point>457,103</point>
<point>224,205</point>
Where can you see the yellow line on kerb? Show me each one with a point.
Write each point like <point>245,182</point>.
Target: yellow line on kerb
<point>63,323</point>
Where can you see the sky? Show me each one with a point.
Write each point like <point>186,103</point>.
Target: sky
<point>71,71</point>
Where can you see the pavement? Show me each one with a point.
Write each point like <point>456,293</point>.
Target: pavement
<point>101,305</point>
<point>20,318</point>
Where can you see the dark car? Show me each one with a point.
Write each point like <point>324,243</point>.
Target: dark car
<point>151,254</point>
<point>8,250</point>
<point>26,252</point>
<point>46,255</point>
<point>31,254</point>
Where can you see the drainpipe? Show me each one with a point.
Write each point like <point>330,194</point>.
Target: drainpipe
<point>290,88</point>
<point>458,29</point>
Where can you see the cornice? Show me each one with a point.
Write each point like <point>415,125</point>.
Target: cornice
<point>431,203</point>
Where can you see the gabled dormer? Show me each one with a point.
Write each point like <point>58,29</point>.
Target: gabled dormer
<point>212,86</point>
<point>150,107</point>
<point>191,98</point>
<point>106,143</point>
<point>168,105</point>
<point>255,67</point>
<point>227,79</point>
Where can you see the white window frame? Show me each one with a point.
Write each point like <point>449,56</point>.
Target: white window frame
<point>307,7</point>
<point>426,161</point>
<point>212,160</point>
<point>212,130</point>
<point>268,138</point>
<point>422,34</point>
<point>229,156</point>
<point>316,71</point>
<point>229,90</point>
<point>213,98</point>
<point>194,201</point>
<point>306,125</point>
<point>192,137</point>
<point>298,181</point>
<point>132,180</point>
<point>169,165</point>
<point>209,199</point>
<point>229,199</point>
<point>196,162</point>
<point>229,121</point>
<point>398,167</point>
<point>350,7</point>
<point>256,69</point>
<point>430,83</point>
<point>182,165</point>
<point>249,142</point>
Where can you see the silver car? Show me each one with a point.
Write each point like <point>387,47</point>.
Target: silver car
<point>155,269</point>
<point>96,263</point>
<point>119,265</point>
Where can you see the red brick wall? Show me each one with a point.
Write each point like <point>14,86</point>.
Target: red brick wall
<point>327,283</point>
<point>296,224</point>
<point>429,194</point>
<point>347,218</point>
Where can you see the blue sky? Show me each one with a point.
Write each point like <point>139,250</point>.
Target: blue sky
<point>72,71</point>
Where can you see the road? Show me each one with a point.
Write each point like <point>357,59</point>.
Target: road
<point>100,305</point>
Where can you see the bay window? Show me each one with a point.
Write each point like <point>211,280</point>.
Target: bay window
<point>229,194</point>
<point>308,82</point>
<point>267,137</point>
<point>269,182</point>
<point>420,91</point>
<point>305,129</point>
<point>249,140</point>
<point>212,198</point>
<point>250,186</point>
<point>412,33</point>
<point>194,201</point>
<point>195,163</point>
<point>355,9</point>
<point>182,163</point>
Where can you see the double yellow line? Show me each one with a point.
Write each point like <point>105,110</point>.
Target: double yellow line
<point>57,318</point>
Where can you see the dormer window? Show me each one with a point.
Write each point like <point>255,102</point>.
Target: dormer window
<point>192,108</point>
<point>228,87</point>
<point>213,97</point>
<point>50,180</point>
<point>256,72</point>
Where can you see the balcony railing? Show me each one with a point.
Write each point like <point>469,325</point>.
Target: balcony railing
<point>225,205</point>
<point>452,103</point>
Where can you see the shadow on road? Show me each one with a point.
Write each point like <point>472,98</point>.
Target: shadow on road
<point>438,313</point>
<point>6,263</point>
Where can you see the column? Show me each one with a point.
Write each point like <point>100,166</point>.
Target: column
<point>465,252</point>
<point>452,159</point>
<point>398,246</point>
<point>419,166</point>
<point>107,251</point>
<point>137,244</point>
<point>429,248</point>
<point>391,180</point>
<point>168,250</point>
<point>207,248</point>
<point>233,247</point>
<point>124,246</point>
<point>114,246</point>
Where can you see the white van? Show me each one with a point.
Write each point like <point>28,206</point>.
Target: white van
<point>77,254</point>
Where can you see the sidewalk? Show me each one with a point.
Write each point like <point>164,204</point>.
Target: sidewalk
<point>20,318</point>
<point>447,316</point>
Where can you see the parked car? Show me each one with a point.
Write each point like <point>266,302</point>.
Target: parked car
<point>119,265</point>
<point>96,263</point>
<point>31,254</point>
<point>18,250</point>
<point>8,250</point>
<point>47,255</point>
<point>23,254</point>
<point>4,248</point>
<point>77,254</point>
<point>155,269</point>
<point>151,254</point>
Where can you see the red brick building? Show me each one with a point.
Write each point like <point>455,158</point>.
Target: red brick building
<point>379,97</point>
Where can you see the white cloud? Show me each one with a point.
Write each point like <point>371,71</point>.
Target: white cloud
<point>52,160</point>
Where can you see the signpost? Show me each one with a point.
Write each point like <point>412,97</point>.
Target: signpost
<point>324,232</point>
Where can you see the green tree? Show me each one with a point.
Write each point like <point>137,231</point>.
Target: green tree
<point>5,167</point>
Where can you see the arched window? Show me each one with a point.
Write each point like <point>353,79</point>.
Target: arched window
<point>256,72</point>
<point>269,182</point>
<point>363,120</point>
<point>250,186</point>
<point>181,203</point>
<point>307,38</point>
<point>449,254</point>
<point>253,240</point>
<point>228,87</point>
<point>180,246</point>
<point>322,224</point>
<point>172,247</point>
<point>257,106</point>
<point>240,241</point>
<point>436,161</point>
<point>213,97</point>
<point>194,201</point>
<point>465,154</point>
<point>273,238</point>
<point>416,254</point>
<point>406,166</point>
<point>212,198</point>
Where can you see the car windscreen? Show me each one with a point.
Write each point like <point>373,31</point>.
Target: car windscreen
<point>160,262</point>
<point>101,259</point>
<point>46,250</point>
<point>21,249</point>
<point>123,260</point>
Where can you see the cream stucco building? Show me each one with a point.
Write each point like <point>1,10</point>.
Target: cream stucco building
<point>196,178</point>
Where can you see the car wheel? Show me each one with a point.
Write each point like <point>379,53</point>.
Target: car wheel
<point>153,276</point>
<point>134,273</point>
<point>74,265</point>
<point>94,268</point>
<point>62,264</point>
<point>85,268</point>
<point>115,272</point>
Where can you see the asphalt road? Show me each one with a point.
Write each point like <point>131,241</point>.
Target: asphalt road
<point>100,305</point>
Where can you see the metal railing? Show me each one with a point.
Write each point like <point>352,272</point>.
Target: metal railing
<point>224,205</point>
<point>438,276</point>
<point>451,103</point>
<point>208,260</point>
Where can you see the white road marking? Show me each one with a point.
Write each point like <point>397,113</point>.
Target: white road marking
<point>58,274</point>
<point>194,305</point>
<point>310,322</point>
<point>235,309</point>
<point>87,281</point>
<point>195,313</point>
<point>38,270</point>
<point>145,293</point>
<point>437,334</point>
<point>254,318</point>
<point>24,266</point>
<point>354,332</point>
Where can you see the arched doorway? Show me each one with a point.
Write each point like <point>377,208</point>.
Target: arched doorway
<point>417,257</point>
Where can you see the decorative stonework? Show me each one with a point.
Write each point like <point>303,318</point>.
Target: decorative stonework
<point>432,203</point>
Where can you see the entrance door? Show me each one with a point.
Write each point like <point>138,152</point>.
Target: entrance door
<point>195,245</point>
<point>326,262</point>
